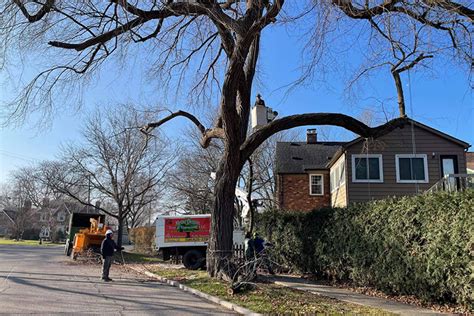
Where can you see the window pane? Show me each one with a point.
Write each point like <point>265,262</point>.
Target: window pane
<point>418,168</point>
<point>361,168</point>
<point>374,171</point>
<point>404,167</point>
<point>316,184</point>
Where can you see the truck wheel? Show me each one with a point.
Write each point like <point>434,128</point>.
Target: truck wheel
<point>193,259</point>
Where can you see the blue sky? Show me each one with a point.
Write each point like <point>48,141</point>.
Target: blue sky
<point>440,98</point>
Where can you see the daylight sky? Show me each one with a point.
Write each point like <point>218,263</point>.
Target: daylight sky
<point>441,97</point>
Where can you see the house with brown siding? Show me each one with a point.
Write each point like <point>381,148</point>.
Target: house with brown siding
<point>406,161</point>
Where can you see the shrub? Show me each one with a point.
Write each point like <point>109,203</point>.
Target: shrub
<point>143,238</point>
<point>31,234</point>
<point>421,245</point>
<point>58,236</point>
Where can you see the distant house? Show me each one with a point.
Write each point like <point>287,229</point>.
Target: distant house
<point>406,161</point>
<point>53,216</point>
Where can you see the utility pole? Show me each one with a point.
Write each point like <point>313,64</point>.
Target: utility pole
<point>88,190</point>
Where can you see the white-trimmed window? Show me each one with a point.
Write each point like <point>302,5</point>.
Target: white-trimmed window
<point>316,184</point>
<point>44,233</point>
<point>61,217</point>
<point>367,168</point>
<point>411,168</point>
<point>338,175</point>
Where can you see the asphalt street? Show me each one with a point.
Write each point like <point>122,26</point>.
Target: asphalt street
<point>42,280</point>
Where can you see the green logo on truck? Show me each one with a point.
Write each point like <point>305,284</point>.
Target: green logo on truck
<point>187,226</point>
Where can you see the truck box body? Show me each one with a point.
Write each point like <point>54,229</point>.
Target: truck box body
<point>182,231</point>
<point>187,235</point>
<point>187,231</point>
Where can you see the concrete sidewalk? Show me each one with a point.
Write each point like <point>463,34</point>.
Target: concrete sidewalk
<point>351,297</point>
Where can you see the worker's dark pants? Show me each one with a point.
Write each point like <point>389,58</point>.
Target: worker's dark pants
<point>106,263</point>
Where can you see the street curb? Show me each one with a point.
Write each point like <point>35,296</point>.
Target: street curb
<point>216,300</point>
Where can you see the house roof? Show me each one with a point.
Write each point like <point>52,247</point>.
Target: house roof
<point>426,128</point>
<point>12,214</point>
<point>297,157</point>
<point>409,121</point>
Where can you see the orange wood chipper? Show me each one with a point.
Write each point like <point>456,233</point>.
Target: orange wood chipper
<point>89,238</point>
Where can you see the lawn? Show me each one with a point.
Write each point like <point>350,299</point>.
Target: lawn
<point>4,241</point>
<point>266,298</point>
<point>132,257</point>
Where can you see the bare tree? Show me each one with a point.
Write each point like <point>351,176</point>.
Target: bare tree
<point>197,37</point>
<point>32,187</point>
<point>404,42</point>
<point>15,208</point>
<point>141,210</point>
<point>115,165</point>
<point>191,182</point>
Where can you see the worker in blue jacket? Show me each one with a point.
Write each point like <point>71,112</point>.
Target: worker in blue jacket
<point>107,249</point>
<point>259,246</point>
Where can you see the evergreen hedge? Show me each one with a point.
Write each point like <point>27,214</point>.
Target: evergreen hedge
<point>421,245</point>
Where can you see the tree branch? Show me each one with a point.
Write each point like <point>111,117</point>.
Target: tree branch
<point>454,7</point>
<point>207,134</point>
<point>45,8</point>
<point>335,119</point>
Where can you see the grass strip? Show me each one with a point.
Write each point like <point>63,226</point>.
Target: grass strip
<point>132,257</point>
<point>4,241</point>
<point>267,298</point>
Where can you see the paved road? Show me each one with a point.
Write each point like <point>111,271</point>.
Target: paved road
<point>41,280</point>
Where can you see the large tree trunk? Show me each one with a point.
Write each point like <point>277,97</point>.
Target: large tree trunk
<point>120,228</point>
<point>221,241</point>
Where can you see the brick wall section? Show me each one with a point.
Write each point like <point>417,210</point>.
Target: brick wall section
<point>293,192</point>
<point>470,160</point>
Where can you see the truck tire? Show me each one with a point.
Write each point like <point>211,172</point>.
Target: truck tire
<point>193,259</point>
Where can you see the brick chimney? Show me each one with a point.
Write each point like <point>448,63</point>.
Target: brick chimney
<point>311,136</point>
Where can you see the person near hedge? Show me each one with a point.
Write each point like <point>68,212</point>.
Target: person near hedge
<point>259,245</point>
<point>107,250</point>
<point>249,247</point>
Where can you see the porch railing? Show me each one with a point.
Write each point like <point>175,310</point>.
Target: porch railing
<point>453,182</point>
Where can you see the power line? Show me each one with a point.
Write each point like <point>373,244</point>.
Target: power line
<point>18,156</point>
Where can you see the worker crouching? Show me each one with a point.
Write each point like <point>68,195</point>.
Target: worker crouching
<point>107,249</point>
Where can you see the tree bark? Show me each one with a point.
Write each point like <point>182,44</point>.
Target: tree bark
<point>249,197</point>
<point>221,240</point>
<point>401,97</point>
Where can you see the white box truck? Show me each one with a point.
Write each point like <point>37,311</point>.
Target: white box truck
<point>188,236</point>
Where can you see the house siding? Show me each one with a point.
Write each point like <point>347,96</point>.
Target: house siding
<point>339,195</point>
<point>400,142</point>
<point>293,192</point>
